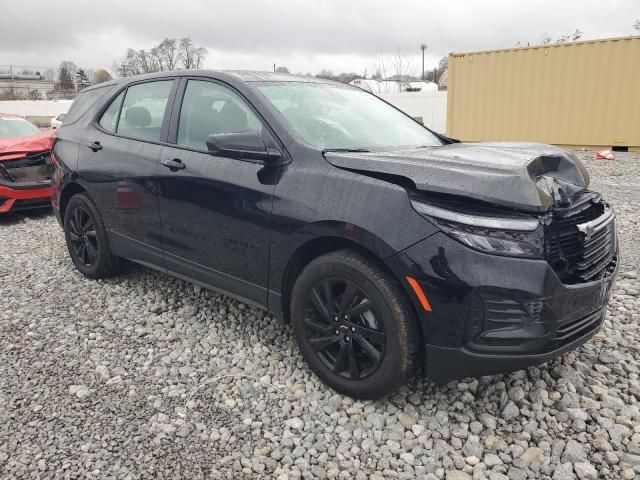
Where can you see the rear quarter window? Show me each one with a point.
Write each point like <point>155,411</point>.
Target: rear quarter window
<point>83,102</point>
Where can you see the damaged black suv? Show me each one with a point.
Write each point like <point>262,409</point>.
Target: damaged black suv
<point>386,245</point>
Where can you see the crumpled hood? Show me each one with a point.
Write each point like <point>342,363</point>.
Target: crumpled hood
<point>529,177</point>
<point>12,148</point>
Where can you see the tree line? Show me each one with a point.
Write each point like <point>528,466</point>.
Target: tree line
<point>71,77</point>
<point>169,54</point>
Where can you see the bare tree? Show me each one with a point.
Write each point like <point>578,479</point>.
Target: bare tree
<point>636,25</point>
<point>434,74</point>
<point>282,69</point>
<point>397,67</point>
<point>343,77</point>
<point>570,36</point>
<point>166,54</point>
<point>135,62</point>
<point>191,57</point>
<point>324,73</point>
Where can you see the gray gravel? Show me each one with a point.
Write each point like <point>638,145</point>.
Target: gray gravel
<point>146,376</point>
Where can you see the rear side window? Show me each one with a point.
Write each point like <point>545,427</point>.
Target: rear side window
<point>109,119</point>
<point>83,102</point>
<point>143,110</point>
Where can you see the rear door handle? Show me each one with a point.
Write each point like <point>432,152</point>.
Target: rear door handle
<point>95,146</point>
<point>173,165</point>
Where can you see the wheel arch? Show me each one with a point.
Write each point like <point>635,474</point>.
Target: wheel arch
<point>322,245</point>
<point>69,191</point>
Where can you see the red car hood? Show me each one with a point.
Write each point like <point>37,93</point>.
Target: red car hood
<point>11,148</point>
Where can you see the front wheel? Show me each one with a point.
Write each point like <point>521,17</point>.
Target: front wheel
<point>87,239</point>
<point>354,325</point>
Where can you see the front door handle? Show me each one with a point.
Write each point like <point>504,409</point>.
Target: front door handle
<point>173,165</point>
<point>95,146</point>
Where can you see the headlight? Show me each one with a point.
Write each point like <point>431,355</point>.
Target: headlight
<point>509,236</point>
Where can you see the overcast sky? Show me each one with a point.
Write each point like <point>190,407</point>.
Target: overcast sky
<point>303,35</point>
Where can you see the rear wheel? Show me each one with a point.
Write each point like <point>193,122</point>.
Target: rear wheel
<point>87,239</point>
<point>354,325</point>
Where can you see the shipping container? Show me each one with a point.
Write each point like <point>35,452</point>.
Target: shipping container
<point>572,94</point>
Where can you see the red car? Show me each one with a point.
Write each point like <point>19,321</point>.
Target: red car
<point>24,164</point>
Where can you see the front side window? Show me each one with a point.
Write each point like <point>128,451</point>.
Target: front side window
<point>141,113</point>
<point>209,108</point>
<point>330,116</point>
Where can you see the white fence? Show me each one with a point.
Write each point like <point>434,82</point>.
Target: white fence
<point>35,108</point>
<point>430,107</point>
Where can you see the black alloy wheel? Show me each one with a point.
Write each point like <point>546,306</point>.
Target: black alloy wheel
<point>355,325</point>
<point>83,236</point>
<point>343,328</point>
<point>87,239</point>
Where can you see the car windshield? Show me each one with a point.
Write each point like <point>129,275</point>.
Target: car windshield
<point>15,127</point>
<point>329,116</point>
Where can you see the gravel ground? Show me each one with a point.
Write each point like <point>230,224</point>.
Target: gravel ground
<point>147,376</point>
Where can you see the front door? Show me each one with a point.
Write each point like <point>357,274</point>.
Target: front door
<point>215,210</point>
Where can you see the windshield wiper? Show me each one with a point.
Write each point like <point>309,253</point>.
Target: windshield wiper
<point>344,150</point>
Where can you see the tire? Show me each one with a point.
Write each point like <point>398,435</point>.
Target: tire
<point>94,259</point>
<point>370,308</point>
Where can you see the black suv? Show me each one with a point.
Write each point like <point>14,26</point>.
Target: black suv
<point>386,245</point>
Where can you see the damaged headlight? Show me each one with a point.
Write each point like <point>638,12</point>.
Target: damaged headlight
<point>508,236</point>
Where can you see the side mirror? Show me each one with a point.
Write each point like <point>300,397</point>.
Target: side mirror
<point>241,145</point>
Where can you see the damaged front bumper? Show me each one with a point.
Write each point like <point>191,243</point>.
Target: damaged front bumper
<point>492,314</point>
<point>25,183</point>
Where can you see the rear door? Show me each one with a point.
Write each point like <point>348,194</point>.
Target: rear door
<point>119,162</point>
<point>215,211</point>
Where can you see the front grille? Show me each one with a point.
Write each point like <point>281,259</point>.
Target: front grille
<point>581,256</point>
<point>577,328</point>
<point>32,168</point>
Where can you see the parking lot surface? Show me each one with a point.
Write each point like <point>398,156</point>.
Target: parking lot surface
<point>143,375</point>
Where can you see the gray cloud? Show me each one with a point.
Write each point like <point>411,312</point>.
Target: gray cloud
<point>304,35</point>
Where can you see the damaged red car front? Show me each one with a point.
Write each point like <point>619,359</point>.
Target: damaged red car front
<point>24,164</point>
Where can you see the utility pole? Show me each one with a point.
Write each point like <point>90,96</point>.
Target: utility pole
<point>423,47</point>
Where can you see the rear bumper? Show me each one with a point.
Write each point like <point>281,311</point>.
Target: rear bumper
<point>24,196</point>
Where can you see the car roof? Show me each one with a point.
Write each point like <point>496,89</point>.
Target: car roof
<point>230,76</point>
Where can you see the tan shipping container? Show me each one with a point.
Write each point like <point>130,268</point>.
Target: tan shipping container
<point>573,94</point>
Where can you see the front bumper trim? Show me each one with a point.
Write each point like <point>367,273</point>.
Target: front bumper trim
<point>445,364</point>
<point>15,192</point>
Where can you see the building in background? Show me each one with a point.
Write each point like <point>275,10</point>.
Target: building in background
<point>33,86</point>
<point>43,83</point>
